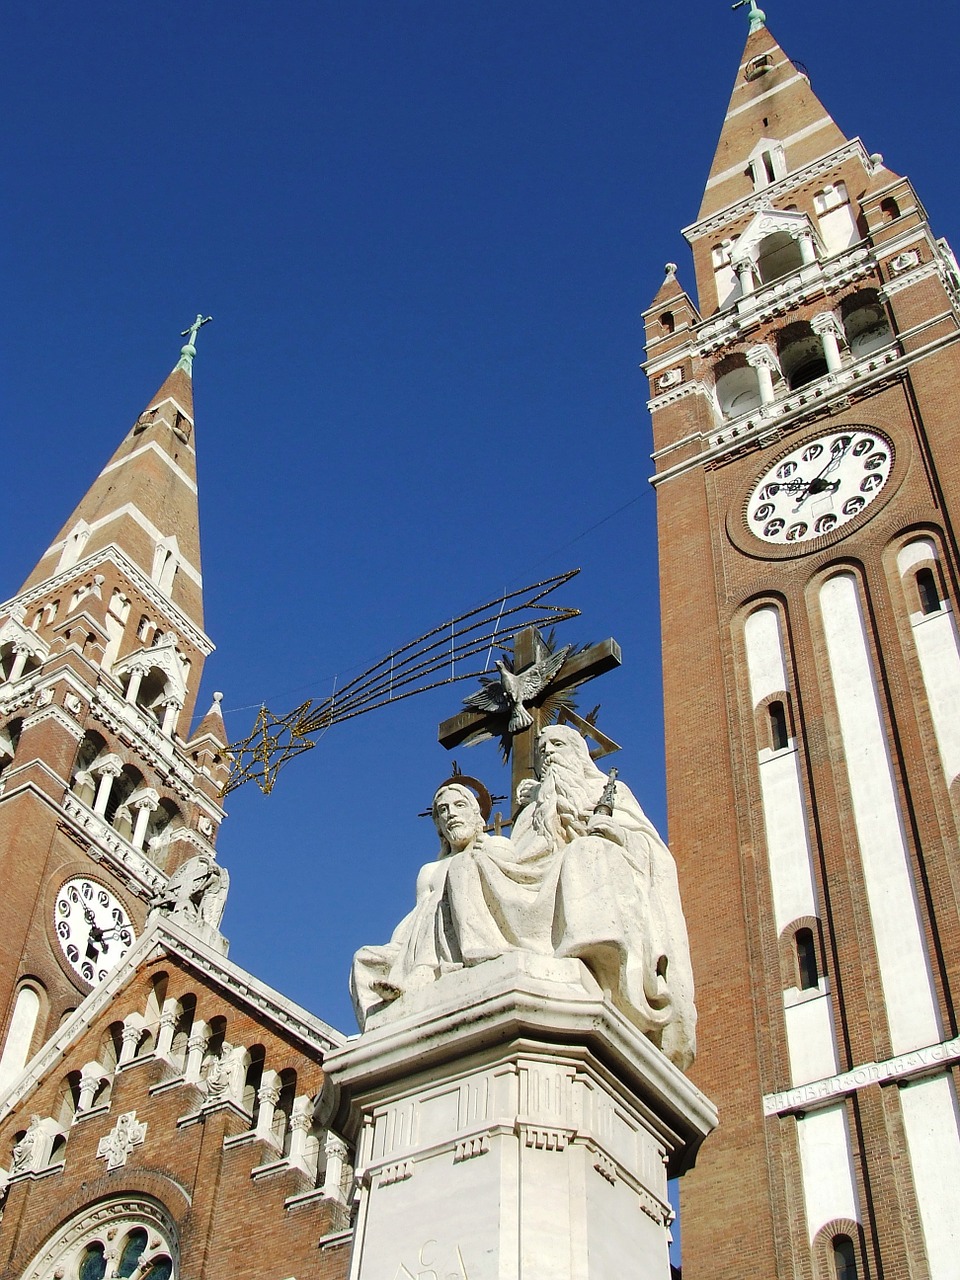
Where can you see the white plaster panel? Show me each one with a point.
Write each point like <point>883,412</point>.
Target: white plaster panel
<point>839,229</point>
<point>933,1140</point>
<point>827,1168</point>
<point>813,1054</point>
<point>904,970</point>
<point>914,553</point>
<point>761,634</point>
<point>788,846</point>
<point>938,651</point>
<point>22,1026</point>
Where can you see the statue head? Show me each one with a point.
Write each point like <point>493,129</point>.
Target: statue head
<point>456,813</point>
<point>570,783</point>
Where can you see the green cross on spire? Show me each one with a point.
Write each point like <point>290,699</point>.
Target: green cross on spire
<point>189,349</point>
<point>758,18</point>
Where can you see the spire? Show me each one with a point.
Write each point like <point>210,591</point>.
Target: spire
<point>144,501</point>
<point>774,121</point>
<point>757,17</point>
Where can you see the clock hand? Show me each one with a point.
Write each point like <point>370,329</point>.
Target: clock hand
<point>819,483</point>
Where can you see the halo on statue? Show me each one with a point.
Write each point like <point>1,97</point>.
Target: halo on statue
<point>484,798</point>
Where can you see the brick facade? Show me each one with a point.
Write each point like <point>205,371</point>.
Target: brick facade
<point>751,1206</point>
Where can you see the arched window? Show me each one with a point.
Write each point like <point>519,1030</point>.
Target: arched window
<point>777,255</point>
<point>865,323</point>
<point>737,385</point>
<point>117,814</point>
<point>69,1099</point>
<point>284,1109</point>
<point>890,209</point>
<point>844,1258</point>
<point>20,1034</point>
<point>807,970</point>
<point>148,1246</point>
<point>182,1027</point>
<point>251,1085</point>
<point>801,352</point>
<point>667,322</point>
<point>9,741</point>
<point>779,734</point>
<point>928,591</point>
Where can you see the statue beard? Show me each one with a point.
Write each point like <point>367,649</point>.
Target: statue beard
<point>565,801</point>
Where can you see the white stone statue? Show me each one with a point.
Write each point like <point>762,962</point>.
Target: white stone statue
<point>225,1075</point>
<point>24,1150</point>
<point>574,880</point>
<point>612,885</point>
<point>196,891</point>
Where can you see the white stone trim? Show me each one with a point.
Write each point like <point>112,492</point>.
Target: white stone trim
<point>164,937</point>
<point>152,447</point>
<point>790,141</point>
<point>59,716</point>
<point>854,149</point>
<point>904,1066</point>
<point>137,516</point>
<point>137,578</point>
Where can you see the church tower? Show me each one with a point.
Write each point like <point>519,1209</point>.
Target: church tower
<point>808,488</point>
<point>101,798</point>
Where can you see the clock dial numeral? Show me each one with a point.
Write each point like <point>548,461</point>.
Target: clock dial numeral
<point>92,928</point>
<point>820,486</point>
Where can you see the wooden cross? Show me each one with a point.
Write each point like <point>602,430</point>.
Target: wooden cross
<point>578,668</point>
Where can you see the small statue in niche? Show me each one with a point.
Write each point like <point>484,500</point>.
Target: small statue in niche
<point>225,1074</point>
<point>23,1152</point>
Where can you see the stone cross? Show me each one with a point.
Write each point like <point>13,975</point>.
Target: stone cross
<point>576,670</point>
<point>127,1133</point>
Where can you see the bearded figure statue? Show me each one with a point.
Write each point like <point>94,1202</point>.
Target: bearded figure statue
<point>612,886</point>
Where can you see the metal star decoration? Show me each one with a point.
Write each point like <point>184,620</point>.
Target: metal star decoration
<point>274,741</point>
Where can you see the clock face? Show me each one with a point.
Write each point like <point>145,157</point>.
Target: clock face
<point>823,484</point>
<point>92,927</point>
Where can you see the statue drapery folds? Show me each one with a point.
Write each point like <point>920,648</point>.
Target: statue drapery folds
<point>573,880</point>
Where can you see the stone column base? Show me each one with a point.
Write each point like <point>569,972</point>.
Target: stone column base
<point>512,1125</point>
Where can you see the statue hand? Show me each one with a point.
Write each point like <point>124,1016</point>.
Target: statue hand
<point>600,824</point>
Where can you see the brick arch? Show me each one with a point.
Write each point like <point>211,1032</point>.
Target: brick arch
<point>172,1199</point>
<point>787,949</point>
<point>822,1248</point>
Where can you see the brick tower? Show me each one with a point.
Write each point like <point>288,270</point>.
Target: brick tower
<point>100,655</point>
<point>808,493</point>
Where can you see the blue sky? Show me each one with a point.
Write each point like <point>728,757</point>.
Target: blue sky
<point>426,233</point>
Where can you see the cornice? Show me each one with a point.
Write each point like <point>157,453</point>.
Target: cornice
<point>828,394</point>
<point>854,149</point>
<point>129,864</point>
<point>59,715</point>
<point>141,733</point>
<point>113,555</point>
<point>162,937</point>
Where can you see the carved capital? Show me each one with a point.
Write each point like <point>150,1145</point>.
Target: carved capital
<point>762,357</point>
<point>826,322</point>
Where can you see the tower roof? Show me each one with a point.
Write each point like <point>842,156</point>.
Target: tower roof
<point>772,101</point>
<point>144,501</point>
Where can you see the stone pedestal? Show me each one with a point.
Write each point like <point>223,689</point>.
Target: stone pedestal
<point>512,1125</point>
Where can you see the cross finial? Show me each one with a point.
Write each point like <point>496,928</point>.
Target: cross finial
<point>189,349</point>
<point>758,18</point>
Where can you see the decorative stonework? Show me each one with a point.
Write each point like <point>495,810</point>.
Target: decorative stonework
<point>469,1148</point>
<point>904,261</point>
<point>393,1173</point>
<point>672,378</point>
<point>127,1133</point>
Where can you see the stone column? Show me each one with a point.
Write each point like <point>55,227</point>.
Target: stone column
<point>513,1125</point>
<point>301,1122</point>
<point>745,274</point>
<point>196,1048</point>
<point>171,710</point>
<point>335,1150</point>
<point>90,1077</point>
<point>134,683</point>
<point>268,1095</point>
<point>827,327</point>
<point>107,771</point>
<point>19,662</point>
<point>764,361</point>
<point>165,1030</point>
<point>808,250</point>
<point>130,1037</point>
<point>144,806</point>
